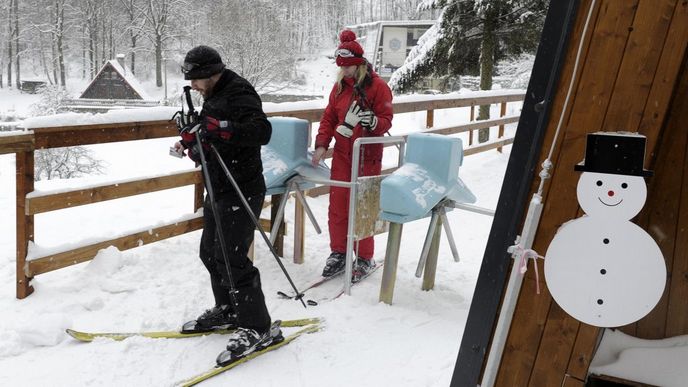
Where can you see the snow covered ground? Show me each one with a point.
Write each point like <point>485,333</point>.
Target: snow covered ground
<point>157,287</point>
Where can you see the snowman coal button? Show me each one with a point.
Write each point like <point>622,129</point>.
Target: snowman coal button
<point>632,273</point>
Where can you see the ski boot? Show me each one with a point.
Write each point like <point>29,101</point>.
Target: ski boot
<point>217,318</point>
<point>334,265</point>
<point>245,341</point>
<point>362,269</point>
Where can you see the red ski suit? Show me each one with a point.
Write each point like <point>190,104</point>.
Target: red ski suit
<point>378,98</point>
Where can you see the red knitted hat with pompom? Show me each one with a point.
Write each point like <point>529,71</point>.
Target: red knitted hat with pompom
<point>348,42</point>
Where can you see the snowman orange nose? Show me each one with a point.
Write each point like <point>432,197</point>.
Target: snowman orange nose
<point>610,193</point>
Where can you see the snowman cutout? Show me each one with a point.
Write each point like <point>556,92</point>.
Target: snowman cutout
<point>600,268</point>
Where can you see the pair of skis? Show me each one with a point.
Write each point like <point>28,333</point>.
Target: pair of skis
<point>119,336</point>
<point>323,280</point>
<point>308,325</point>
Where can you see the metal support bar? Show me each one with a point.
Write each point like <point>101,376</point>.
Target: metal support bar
<point>511,296</point>
<point>472,208</point>
<point>448,232</point>
<point>278,235</point>
<point>279,216</point>
<point>355,163</point>
<point>307,208</point>
<point>428,241</point>
<point>292,185</point>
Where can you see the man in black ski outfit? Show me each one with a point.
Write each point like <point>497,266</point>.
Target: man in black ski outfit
<point>233,121</point>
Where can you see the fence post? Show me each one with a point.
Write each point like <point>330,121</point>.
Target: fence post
<point>198,196</point>
<point>430,120</point>
<point>470,133</point>
<point>502,113</point>
<point>25,230</point>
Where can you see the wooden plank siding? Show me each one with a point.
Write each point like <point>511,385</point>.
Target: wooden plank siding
<point>629,68</point>
<point>639,65</point>
<point>662,218</point>
<point>677,315</point>
<point>666,75</point>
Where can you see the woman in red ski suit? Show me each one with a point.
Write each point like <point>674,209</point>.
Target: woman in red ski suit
<point>360,105</point>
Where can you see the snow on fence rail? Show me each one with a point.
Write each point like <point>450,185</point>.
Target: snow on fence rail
<point>65,134</point>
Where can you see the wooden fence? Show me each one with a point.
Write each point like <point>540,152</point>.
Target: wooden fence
<point>24,146</point>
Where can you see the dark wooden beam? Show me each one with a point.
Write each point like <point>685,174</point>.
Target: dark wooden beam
<point>514,195</point>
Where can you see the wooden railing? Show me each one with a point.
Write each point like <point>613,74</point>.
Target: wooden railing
<point>29,204</point>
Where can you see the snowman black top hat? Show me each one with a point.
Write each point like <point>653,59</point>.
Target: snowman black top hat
<point>618,153</point>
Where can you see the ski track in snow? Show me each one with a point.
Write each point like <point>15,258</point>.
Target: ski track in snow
<point>157,287</point>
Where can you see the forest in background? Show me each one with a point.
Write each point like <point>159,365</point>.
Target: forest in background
<point>55,40</point>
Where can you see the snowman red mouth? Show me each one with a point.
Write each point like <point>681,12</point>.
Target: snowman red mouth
<point>609,205</point>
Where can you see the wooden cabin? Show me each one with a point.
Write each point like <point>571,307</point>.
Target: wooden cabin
<point>114,87</point>
<point>632,76</point>
<point>115,81</point>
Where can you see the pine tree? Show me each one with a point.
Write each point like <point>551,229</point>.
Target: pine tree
<point>470,37</point>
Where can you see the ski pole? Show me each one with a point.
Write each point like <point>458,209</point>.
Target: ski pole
<point>299,295</point>
<point>218,221</point>
<point>365,105</point>
<point>191,118</point>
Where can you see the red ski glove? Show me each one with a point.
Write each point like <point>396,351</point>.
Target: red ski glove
<point>188,139</point>
<point>215,128</point>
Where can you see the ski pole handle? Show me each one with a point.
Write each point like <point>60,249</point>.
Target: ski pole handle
<point>191,114</point>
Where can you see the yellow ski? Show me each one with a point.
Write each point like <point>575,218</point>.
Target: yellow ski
<point>119,336</point>
<point>218,370</point>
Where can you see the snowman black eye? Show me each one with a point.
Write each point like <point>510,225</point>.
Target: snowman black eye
<point>624,185</point>
<point>599,183</point>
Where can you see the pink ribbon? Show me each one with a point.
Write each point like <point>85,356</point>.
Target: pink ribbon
<point>524,255</point>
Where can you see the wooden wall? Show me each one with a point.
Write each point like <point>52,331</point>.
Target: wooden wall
<point>633,76</point>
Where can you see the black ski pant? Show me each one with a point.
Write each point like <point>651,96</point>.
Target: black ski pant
<point>238,229</point>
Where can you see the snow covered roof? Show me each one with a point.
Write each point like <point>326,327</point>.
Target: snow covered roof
<point>657,362</point>
<point>393,23</point>
<point>123,72</point>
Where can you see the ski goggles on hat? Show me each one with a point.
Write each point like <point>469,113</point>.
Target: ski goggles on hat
<point>188,67</point>
<point>346,53</point>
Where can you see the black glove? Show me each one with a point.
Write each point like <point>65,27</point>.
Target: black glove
<point>193,154</point>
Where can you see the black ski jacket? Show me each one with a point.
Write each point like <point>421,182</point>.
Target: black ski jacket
<point>235,100</point>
